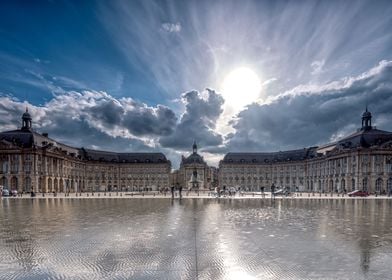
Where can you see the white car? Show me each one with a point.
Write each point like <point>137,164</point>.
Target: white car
<point>282,192</point>
<point>5,192</point>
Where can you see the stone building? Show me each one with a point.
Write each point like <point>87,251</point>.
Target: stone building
<point>33,161</point>
<point>362,160</point>
<point>194,173</point>
<point>252,171</point>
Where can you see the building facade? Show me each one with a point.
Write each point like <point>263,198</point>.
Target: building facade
<point>30,161</point>
<point>194,172</point>
<point>362,160</point>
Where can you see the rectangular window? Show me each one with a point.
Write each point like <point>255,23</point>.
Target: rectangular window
<point>5,167</point>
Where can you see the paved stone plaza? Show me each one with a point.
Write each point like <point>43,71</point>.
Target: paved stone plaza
<point>147,238</point>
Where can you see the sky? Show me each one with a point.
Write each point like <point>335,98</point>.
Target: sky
<point>234,76</point>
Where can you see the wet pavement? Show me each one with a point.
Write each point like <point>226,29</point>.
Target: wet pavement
<point>158,238</point>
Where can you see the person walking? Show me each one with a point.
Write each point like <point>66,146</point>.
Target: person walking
<point>172,190</point>
<point>273,190</point>
<point>262,191</point>
<point>180,191</point>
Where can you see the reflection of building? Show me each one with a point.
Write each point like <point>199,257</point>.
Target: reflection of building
<point>31,161</point>
<point>362,160</point>
<point>194,173</point>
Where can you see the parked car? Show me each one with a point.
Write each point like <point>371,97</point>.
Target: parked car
<point>232,191</point>
<point>281,192</point>
<point>5,192</point>
<point>358,193</point>
<point>14,193</point>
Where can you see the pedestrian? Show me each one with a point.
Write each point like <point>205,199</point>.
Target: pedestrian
<point>273,190</point>
<point>172,190</point>
<point>180,191</point>
<point>262,191</point>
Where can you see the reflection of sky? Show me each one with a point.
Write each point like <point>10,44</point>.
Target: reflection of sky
<point>222,239</point>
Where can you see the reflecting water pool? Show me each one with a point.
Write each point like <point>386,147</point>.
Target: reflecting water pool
<point>195,239</point>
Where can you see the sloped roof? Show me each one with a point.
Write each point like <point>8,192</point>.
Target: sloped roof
<point>283,156</point>
<point>30,139</point>
<point>95,155</point>
<point>365,138</point>
<point>193,158</point>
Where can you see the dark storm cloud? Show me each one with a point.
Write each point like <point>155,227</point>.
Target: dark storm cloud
<point>93,119</point>
<point>198,122</point>
<point>150,121</point>
<point>311,115</point>
<point>117,117</point>
<point>109,112</point>
<point>78,133</point>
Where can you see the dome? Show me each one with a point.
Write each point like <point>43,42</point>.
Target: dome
<point>26,120</point>
<point>366,114</point>
<point>193,158</point>
<point>26,115</point>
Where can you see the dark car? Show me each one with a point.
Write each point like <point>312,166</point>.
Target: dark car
<point>358,193</point>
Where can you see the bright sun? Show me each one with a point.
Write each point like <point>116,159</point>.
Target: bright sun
<point>240,88</point>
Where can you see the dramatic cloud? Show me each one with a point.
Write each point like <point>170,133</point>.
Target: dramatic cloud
<point>315,114</point>
<point>100,121</point>
<point>90,118</point>
<point>307,115</point>
<point>198,122</point>
<point>293,42</point>
<point>144,120</point>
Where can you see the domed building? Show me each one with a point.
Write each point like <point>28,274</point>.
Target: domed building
<point>362,160</point>
<point>30,161</point>
<point>194,172</point>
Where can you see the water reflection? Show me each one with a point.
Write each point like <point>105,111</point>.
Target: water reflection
<point>194,238</point>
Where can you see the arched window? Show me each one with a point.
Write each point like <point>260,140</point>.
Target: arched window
<point>343,185</point>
